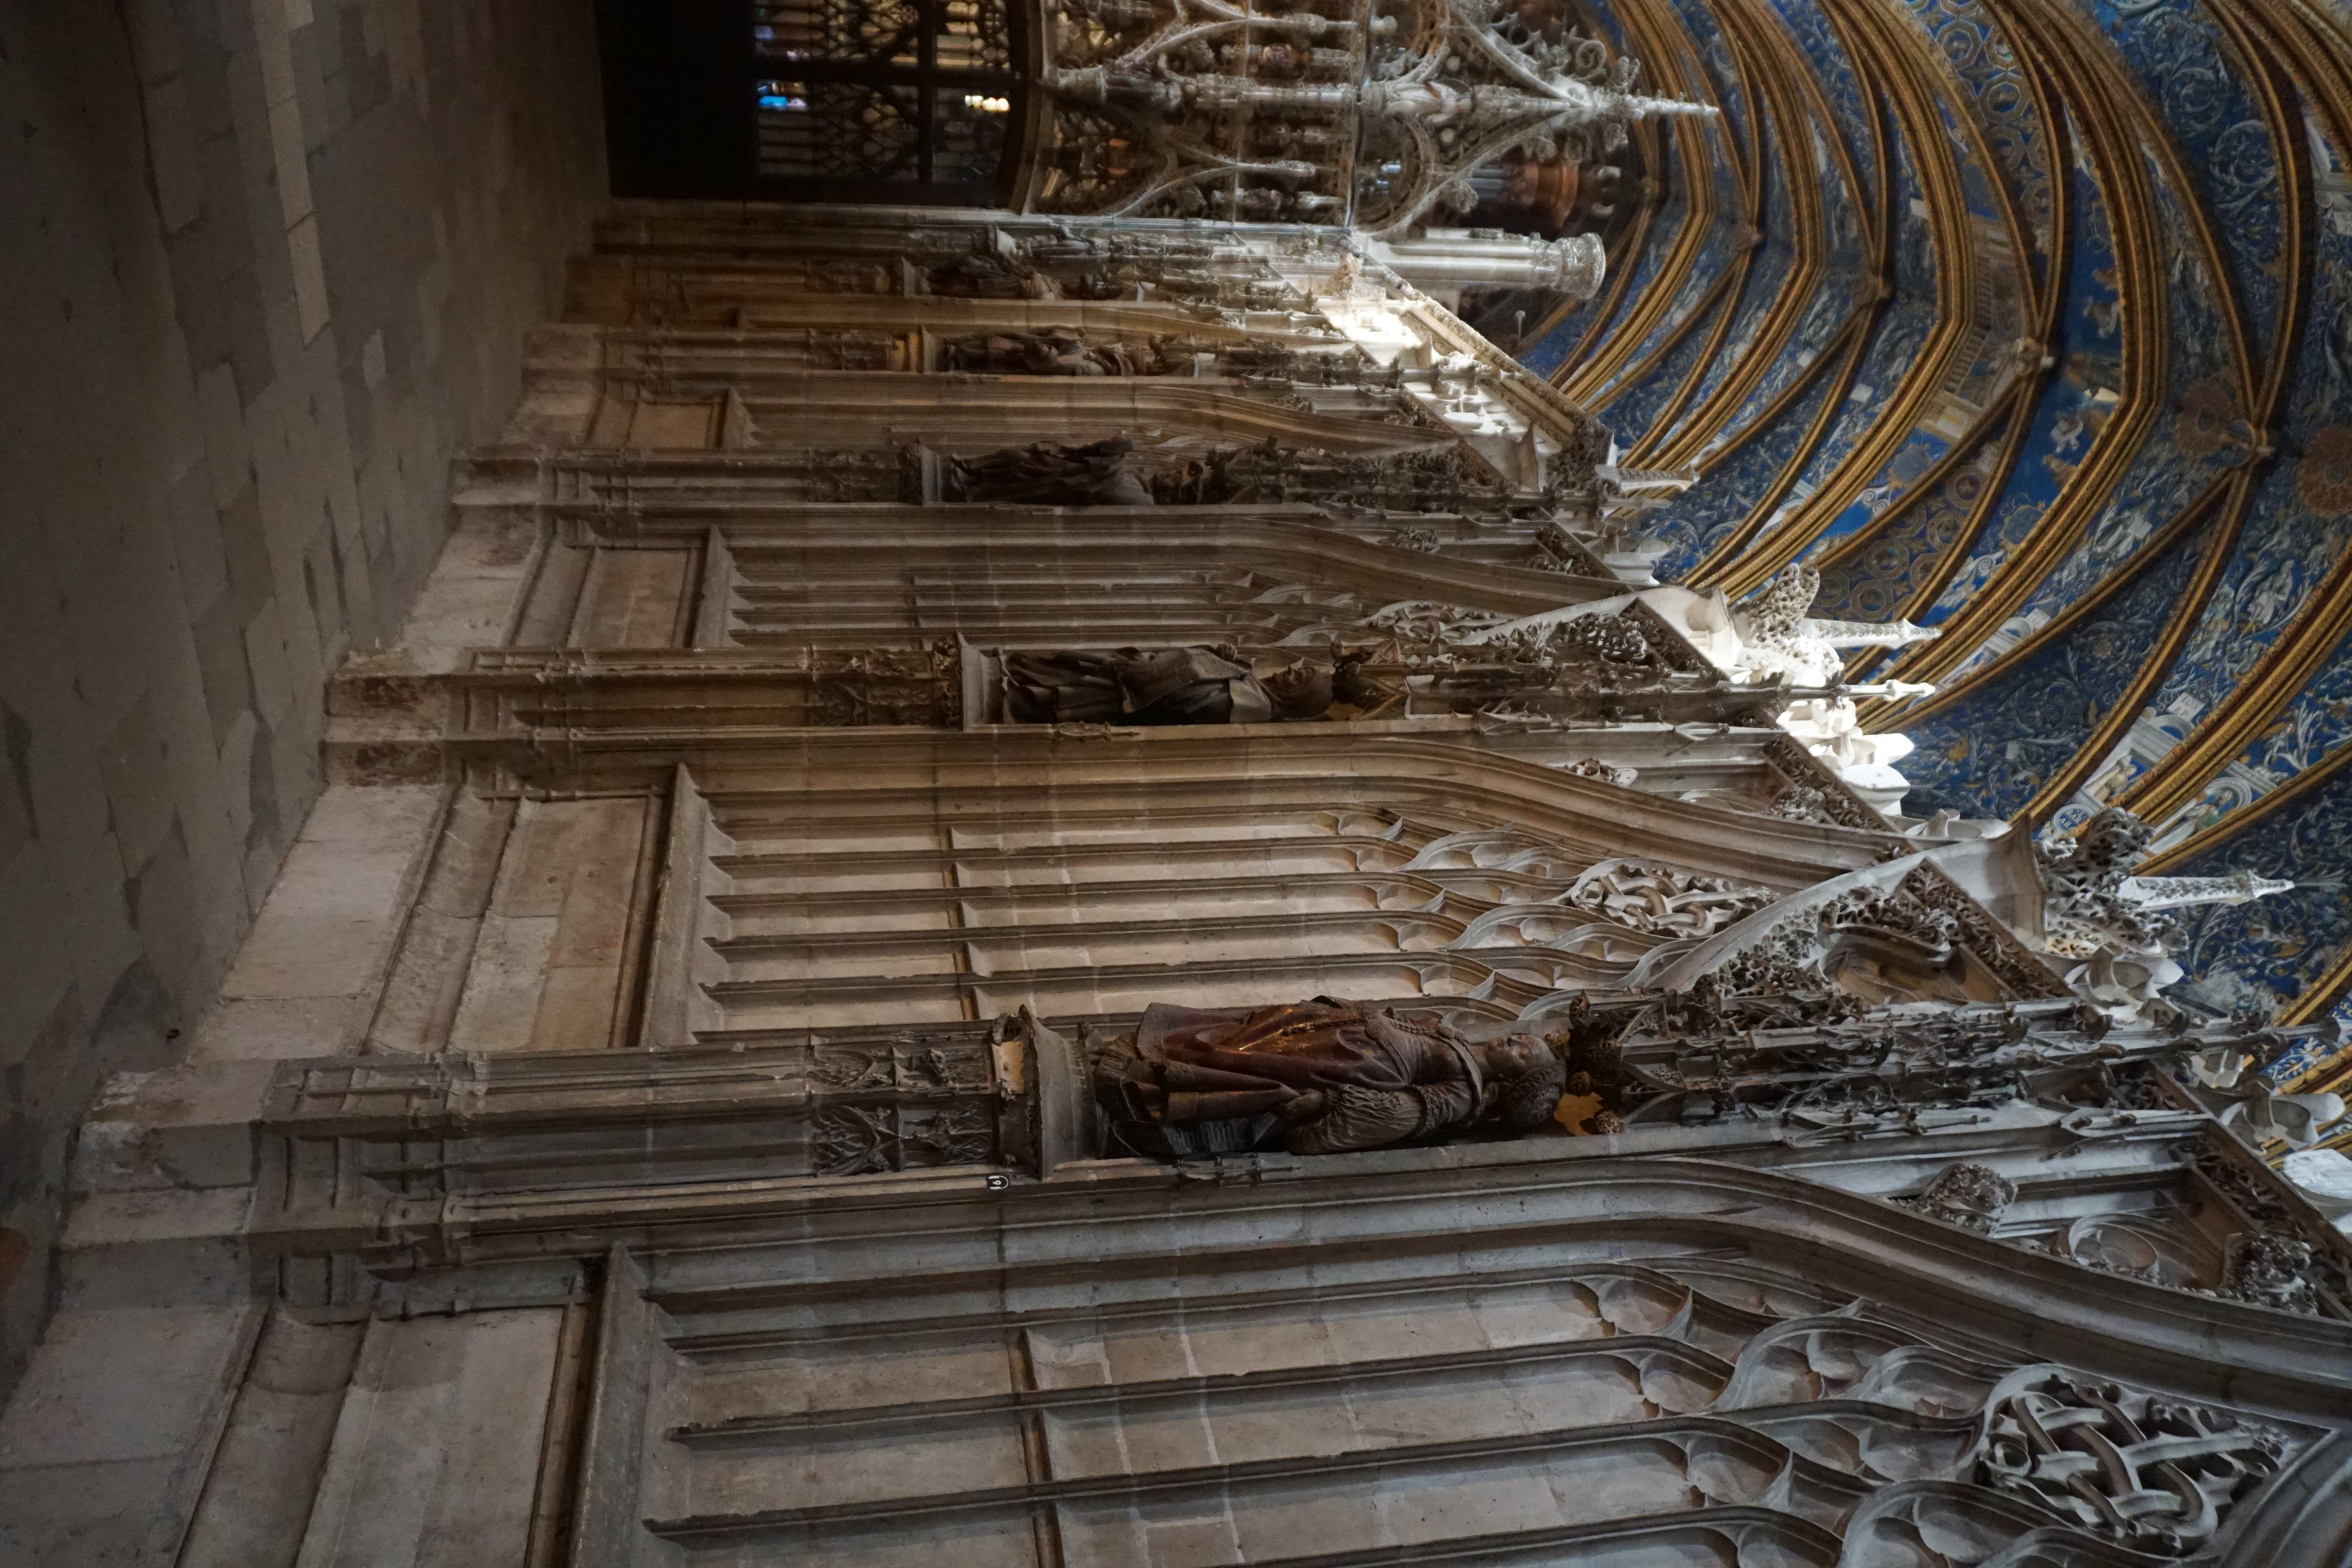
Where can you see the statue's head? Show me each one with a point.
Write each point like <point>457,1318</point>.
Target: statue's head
<point>1530,1078</point>
<point>1300,691</point>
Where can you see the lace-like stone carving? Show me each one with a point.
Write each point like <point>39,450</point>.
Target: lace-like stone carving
<point>1990,941</point>
<point>1607,772</point>
<point>2084,911</point>
<point>1780,637</point>
<point>2149,1474</point>
<point>1968,1195</point>
<point>2272,1268</point>
<point>1660,899</point>
<point>1839,806</point>
<point>891,686</point>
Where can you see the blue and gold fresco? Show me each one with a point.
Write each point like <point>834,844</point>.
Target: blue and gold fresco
<point>2215,122</point>
<point>1878,578</point>
<point>1848,281</point>
<point>1946,512</point>
<point>1993,749</point>
<point>2074,405</point>
<point>2268,952</point>
<point>1717,253</point>
<point>1896,340</point>
<point>2193,442</point>
<point>1997,312</point>
<point>2299,523</point>
<point>1703,517</point>
<point>1972,46</point>
<point>2312,727</point>
<point>1634,414</point>
<point>1720,246</point>
<point>1856,119</point>
<point>1767,274</point>
<point>1645,400</point>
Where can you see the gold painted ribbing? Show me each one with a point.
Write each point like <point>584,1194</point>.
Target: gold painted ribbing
<point>2231,499</point>
<point>1621,274</point>
<point>1655,37</point>
<point>2183,521</point>
<point>2114,148</point>
<point>2125,110</point>
<point>1900,57</point>
<point>1786,97</point>
<point>2010,405</point>
<point>2255,704</point>
<point>1720,303</point>
<point>2050,301</point>
<point>1879,239</point>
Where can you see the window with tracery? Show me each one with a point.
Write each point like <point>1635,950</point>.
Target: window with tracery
<point>912,100</point>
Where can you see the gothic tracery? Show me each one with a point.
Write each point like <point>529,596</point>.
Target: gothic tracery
<point>1065,875</point>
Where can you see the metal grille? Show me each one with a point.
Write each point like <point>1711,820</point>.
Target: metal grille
<point>911,93</point>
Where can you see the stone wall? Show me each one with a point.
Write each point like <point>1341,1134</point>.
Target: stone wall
<point>269,266</point>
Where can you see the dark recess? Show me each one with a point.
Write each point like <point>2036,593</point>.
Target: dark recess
<point>677,106</point>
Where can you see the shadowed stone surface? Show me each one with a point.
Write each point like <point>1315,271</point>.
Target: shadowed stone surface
<point>269,264</point>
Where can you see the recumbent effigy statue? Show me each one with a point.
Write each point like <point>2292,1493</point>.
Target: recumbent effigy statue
<point>1319,1077</point>
<point>1166,686</point>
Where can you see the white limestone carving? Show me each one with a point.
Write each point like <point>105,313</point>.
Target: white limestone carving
<point>1319,119</point>
<point>702,1152</point>
<point>2096,911</point>
<point>1776,636</point>
<point>2324,1178</point>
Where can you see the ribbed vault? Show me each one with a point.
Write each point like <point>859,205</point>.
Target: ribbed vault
<point>2027,322</point>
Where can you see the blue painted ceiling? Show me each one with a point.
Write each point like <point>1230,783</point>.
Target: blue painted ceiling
<point>2030,321</point>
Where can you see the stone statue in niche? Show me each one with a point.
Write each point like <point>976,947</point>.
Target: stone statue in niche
<point>1170,686</point>
<point>1054,353</point>
<point>1320,1077</point>
<point>989,273</point>
<point>1048,473</point>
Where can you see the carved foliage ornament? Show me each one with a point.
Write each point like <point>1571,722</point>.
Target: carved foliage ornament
<point>1206,108</point>
<point>1970,1195</point>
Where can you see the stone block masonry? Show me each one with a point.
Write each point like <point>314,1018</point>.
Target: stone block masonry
<point>268,264</point>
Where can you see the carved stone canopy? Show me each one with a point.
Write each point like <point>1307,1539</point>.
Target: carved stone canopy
<point>1283,112</point>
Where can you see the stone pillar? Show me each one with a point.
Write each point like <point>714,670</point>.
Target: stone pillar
<point>1442,262</point>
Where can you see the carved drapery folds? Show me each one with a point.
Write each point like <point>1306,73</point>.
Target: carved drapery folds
<point>1328,1077</point>
<point>1107,473</point>
<point>1113,472</point>
<point>1585,669</point>
<point>1315,1078</point>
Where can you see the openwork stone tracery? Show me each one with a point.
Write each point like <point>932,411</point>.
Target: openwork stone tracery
<point>1374,117</point>
<point>1036,884</point>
